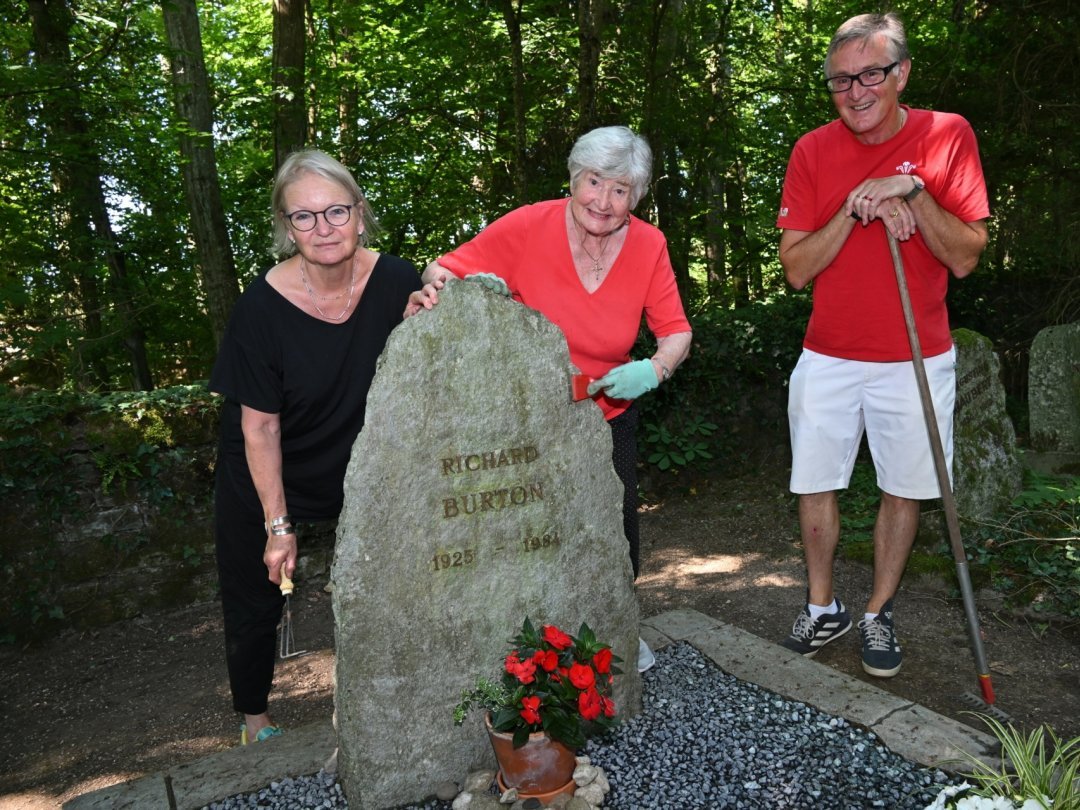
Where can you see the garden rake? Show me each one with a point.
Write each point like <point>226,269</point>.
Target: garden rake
<point>947,500</point>
<point>287,648</point>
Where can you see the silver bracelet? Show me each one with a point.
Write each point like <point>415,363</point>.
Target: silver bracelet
<point>282,531</point>
<point>276,523</point>
<point>666,371</point>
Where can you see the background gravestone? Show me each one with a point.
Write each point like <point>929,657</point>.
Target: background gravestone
<point>477,494</point>
<point>1054,389</point>
<point>987,473</point>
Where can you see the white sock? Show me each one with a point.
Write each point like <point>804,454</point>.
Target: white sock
<point>869,617</point>
<point>817,611</point>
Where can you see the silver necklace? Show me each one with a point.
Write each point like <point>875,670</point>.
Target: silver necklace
<point>315,297</point>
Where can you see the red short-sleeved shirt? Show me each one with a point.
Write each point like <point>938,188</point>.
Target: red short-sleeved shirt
<point>529,249</point>
<point>857,313</point>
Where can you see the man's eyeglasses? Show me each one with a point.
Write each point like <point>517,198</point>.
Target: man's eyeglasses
<point>306,220</point>
<point>868,78</point>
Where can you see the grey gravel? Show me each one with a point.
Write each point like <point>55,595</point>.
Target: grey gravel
<point>705,739</point>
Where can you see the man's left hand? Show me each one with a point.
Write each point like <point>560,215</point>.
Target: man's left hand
<point>883,198</point>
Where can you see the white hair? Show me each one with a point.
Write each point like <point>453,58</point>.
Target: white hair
<point>613,153</point>
<point>865,27</point>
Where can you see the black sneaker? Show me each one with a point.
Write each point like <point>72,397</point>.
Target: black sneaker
<point>880,649</point>
<point>809,636</point>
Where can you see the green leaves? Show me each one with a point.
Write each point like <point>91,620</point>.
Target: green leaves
<point>1036,766</point>
<point>686,448</point>
<point>428,124</point>
<point>551,682</point>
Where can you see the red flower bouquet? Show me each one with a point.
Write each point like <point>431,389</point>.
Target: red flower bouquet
<point>551,682</point>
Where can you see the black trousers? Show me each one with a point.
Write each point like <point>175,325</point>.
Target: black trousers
<point>251,605</point>
<point>624,458</point>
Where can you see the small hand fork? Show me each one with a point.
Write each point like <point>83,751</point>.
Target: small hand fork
<point>287,648</point>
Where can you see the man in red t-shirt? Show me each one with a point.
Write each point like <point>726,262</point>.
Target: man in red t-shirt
<point>881,166</point>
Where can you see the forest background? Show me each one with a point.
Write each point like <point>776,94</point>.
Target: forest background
<point>139,140</point>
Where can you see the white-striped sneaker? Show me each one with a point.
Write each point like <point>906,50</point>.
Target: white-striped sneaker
<point>881,654</point>
<point>808,636</point>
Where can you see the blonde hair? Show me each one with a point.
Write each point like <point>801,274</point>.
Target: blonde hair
<point>314,161</point>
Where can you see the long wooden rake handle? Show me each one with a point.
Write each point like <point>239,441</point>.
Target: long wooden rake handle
<point>947,500</point>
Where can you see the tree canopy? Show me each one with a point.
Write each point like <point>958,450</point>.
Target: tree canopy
<point>450,114</point>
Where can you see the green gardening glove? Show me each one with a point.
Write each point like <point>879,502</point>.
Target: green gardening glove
<point>628,381</point>
<point>491,282</point>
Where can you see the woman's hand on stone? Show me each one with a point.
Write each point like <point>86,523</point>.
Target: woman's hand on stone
<point>424,298</point>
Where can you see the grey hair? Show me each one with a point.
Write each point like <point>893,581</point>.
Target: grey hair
<point>866,26</point>
<point>314,161</point>
<point>613,153</point>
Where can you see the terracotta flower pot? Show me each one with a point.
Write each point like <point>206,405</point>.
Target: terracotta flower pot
<point>543,767</point>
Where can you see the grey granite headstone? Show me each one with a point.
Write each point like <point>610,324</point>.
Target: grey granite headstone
<point>1054,389</point>
<point>477,494</point>
<point>987,473</point>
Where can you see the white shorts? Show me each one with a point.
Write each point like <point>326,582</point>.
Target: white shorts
<point>831,401</point>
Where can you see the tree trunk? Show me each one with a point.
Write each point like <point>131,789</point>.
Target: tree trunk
<point>745,272</point>
<point>512,15</point>
<point>721,128</point>
<point>590,24</point>
<point>290,112</point>
<point>77,174</point>
<point>192,92</point>
<point>660,96</point>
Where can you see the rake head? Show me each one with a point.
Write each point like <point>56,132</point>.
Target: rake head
<point>982,707</point>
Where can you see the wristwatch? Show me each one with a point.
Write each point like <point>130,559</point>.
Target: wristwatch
<point>917,186</point>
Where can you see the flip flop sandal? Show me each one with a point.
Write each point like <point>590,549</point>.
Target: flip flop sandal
<point>262,735</point>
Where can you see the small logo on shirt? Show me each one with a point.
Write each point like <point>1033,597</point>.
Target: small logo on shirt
<point>783,212</point>
<point>907,167</point>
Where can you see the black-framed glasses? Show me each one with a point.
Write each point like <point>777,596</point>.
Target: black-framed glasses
<point>867,78</point>
<point>335,215</point>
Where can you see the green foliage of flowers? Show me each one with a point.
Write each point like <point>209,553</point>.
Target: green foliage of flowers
<point>859,506</point>
<point>685,448</point>
<point>126,437</point>
<point>1032,553</point>
<point>732,391</point>
<point>552,682</point>
<point>1038,771</point>
<point>59,449</point>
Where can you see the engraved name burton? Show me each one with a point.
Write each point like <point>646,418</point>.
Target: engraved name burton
<point>491,499</point>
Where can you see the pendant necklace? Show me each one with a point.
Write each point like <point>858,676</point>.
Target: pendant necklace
<point>314,296</point>
<point>597,261</point>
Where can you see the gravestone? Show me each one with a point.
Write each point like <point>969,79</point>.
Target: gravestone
<point>1054,389</point>
<point>987,473</point>
<point>477,494</point>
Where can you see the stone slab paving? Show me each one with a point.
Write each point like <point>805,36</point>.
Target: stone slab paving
<point>908,729</point>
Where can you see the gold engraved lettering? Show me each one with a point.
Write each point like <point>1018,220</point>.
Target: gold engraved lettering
<point>540,542</point>
<point>488,460</point>
<point>493,500</point>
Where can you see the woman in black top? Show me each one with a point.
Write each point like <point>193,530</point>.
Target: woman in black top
<point>294,367</point>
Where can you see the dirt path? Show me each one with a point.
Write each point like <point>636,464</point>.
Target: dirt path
<point>94,709</point>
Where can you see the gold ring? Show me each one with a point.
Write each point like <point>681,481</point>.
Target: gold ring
<point>894,214</point>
